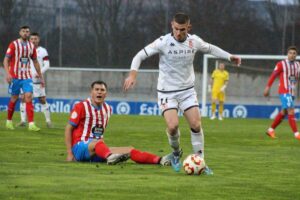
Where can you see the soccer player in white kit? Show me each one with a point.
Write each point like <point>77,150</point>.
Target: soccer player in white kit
<point>176,81</point>
<point>38,90</point>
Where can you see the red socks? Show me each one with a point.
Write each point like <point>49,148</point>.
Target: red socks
<point>144,157</point>
<point>102,150</point>
<point>29,111</point>
<point>11,110</point>
<point>278,119</point>
<point>292,123</point>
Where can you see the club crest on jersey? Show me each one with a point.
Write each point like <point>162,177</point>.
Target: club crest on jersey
<point>191,44</point>
<point>74,115</point>
<point>98,131</point>
<point>24,60</point>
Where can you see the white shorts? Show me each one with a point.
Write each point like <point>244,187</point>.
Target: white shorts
<point>182,100</point>
<point>38,90</point>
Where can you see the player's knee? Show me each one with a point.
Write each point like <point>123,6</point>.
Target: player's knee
<point>43,100</point>
<point>172,129</point>
<point>14,98</point>
<point>290,112</point>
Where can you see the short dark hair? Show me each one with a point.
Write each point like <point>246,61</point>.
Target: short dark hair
<point>292,48</point>
<point>181,18</point>
<point>24,27</point>
<point>35,34</point>
<point>98,83</point>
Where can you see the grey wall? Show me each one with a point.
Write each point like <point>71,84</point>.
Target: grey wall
<point>242,88</point>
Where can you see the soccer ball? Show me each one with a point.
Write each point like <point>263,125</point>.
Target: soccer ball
<point>193,165</point>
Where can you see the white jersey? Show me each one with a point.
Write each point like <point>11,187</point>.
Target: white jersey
<point>176,70</point>
<point>43,59</point>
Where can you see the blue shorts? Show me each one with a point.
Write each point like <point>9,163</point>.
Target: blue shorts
<point>16,85</point>
<point>287,101</point>
<point>81,152</point>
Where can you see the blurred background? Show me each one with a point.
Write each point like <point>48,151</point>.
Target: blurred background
<point>108,33</point>
<point>97,39</point>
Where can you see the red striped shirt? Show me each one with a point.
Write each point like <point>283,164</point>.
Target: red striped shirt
<point>84,117</point>
<point>288,73</point>
<point>20,52</point>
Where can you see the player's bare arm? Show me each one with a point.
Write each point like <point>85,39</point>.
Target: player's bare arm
<point>68,142</point>
<point>6,67</point>
<point>267,91</point>
<point>38,70</point>
<point>130,81</point>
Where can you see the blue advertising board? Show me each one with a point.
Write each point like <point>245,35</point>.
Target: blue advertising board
<point>151,108</point>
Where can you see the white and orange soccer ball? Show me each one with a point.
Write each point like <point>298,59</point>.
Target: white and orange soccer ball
<point>193,165</point>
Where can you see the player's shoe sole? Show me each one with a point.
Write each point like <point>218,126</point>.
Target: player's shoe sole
<point>166,160</point>
<point>117,158</point>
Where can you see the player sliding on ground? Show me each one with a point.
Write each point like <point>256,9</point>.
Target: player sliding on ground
<point>85,130</point>
<point>288,71</point>
<point>176,81</point>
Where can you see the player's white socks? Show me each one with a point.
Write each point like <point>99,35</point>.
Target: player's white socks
<point>46,111</point>
<point>197,140</point>
<point>23,111</point>
<point>174,140</point>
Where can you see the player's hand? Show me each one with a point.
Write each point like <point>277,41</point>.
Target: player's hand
<point>40,76</point>
<point>267,91</point>
<point>209,88</point>
<point>8,78</point>
<point>235,59</point>
<point>42,82</point>
<point>223,88</point>
<point>130,81</point>
<point>70,157</point>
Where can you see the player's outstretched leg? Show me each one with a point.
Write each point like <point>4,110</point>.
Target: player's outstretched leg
<point>166,160</point>
<point>116,158</point>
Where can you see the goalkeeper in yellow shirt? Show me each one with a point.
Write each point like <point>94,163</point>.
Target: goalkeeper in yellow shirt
<point>218,84</point>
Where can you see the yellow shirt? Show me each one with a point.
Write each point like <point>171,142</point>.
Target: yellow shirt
<point>219,77</point>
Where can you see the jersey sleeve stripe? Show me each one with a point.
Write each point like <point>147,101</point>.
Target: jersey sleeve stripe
<point>146,52</point>
<point>73,124</point>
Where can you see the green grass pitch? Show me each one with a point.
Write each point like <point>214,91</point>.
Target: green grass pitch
<point>246,163</point>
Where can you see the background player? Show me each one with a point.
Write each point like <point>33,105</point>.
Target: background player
<point>219,80</point>
<point>85,130</point>
<point>288,71</point>
<point>38,90</point>
<point>18,75</point>
<point>176,81</point>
